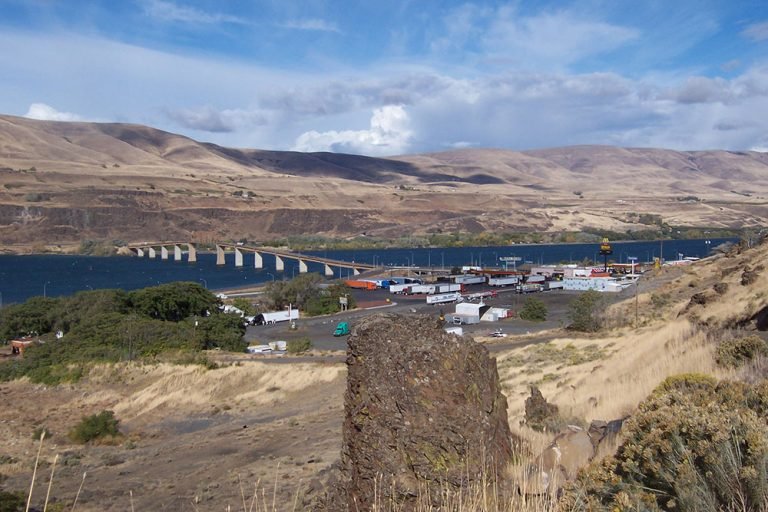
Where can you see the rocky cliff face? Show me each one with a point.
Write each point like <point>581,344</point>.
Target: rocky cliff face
<point>424,414</point>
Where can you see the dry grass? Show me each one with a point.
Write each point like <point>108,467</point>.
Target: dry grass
<point>166,386</point>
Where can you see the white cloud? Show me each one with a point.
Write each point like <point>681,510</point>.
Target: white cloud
<point>209,119</point>
<point>757,31</point>
<point>311,24</point>
<point>389,134</point>
<point>43,112</point>
<point>168,11</point>
<point>553,38</point>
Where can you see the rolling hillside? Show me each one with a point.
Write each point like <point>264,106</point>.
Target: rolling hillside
<point>64,182</point>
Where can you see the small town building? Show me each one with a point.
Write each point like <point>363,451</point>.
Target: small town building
<point>19,345</point>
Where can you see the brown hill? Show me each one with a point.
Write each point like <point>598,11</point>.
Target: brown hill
<point>64,182</point>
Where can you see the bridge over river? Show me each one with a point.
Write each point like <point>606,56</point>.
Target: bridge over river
<point>164,249</point>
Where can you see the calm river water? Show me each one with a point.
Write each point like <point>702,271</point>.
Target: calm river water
<point>22,277</point>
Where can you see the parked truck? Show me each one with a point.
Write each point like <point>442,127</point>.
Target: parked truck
<point>441,298</point>
<point>360,284</point>
<point>448,287</point>
<point>276,316</point>
<point>342,329</point>
<point>416,289</point>
<point>399,288</point>
<point>503,281</point>
<point>469,279</point>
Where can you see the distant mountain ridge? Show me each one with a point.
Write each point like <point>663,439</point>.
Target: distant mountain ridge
<point>50,168</point>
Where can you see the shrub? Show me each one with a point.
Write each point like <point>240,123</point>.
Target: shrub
<point>584,312</point>
<point>94,427</point>
<point>659,300</point>
<point>738,351</point>
<point>706,450</point>
<point>11,501</point>
<point>686,383</point>
<point>298,346</point>
<point>533,309</point>
<point>39,431</point>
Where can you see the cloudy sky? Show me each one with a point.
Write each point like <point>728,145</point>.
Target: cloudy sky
<point>397,76</point>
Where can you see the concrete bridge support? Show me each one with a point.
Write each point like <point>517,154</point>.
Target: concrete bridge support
<point>152,252</point>
<point>220,255</point>
<point>163,252</point>
<point>258,261</point>
<point>279,263</point>
<point>238,257</point>
<point>192,253</point>
<point>139,252</point>
<point>177,252</point>
<point>355,272</point>
<point>328,270</point>
<point>302,267</point>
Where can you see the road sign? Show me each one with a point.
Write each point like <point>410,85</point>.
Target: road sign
<point>510,258</point>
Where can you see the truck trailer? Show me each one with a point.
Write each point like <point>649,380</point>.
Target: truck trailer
<point>503,281</point>
<point>441,298</point>
<point>276,316</point>
<point>361,284</point>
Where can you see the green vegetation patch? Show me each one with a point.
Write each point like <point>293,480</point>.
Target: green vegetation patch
<point>534,310</point>
<point>692,445</point>
<point>537,357</point>
<point>114,325</point>
<point>738,351</point>
<point>102,426</point>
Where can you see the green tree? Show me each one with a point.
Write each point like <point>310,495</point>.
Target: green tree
<point>533,309</point>
<point>33,316</point>
<point>173,301</point>
<point>244,305</point>
<point>328,300</point>
<point>70,311</point>
<point>221,330</point>
<point>585,312</point>
<point>297,292</point>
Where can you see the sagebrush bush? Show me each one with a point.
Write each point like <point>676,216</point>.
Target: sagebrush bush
<point>690,447</point>
<point>738,351</point>
<point>94,427</point>
<point>298,346</point>
<point>533,309</point>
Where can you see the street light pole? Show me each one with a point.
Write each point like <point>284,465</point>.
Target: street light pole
<point>44,288</point>
<point>205,283</point>
<point>272,276</point>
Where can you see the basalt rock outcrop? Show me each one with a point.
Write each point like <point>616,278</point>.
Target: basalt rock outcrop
<point>424,414</point>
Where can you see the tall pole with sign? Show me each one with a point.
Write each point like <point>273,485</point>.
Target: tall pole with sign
<point>605,250</point>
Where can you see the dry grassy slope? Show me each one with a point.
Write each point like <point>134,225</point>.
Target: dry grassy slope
<point>126,181</point>
<point>673,337</point>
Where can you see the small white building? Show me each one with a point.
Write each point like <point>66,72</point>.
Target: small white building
<point>601,284</point>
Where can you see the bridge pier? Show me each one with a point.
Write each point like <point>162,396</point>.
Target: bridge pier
<point>220,255</point>
<point>258,261</point>
<point>139,252</point>
<point>279,263</point>
<point>238,257</point>
<point>152,253</point>
<point>302,267</point>
<point>328,270</point>
<point>176,252</point>
<point>192,253</point>
<point>355,272</point>
<point>163,252</point>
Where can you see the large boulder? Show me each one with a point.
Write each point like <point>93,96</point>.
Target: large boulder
<point>424,415</point>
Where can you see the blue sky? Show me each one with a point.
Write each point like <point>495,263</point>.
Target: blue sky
<point>401,76</point>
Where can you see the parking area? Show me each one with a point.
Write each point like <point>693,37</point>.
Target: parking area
<point>320,329</point>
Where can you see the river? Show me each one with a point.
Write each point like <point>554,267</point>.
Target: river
<point>26,276</point>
